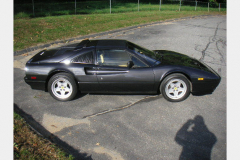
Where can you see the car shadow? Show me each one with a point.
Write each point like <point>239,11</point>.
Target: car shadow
<point>39,129</point>
<point>196,139</point>
<point>79,95</point>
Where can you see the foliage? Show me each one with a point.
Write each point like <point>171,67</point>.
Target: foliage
<point>222,1</point>
<point>51,8</point>
<point>28,145</point>
<point>213,3</point>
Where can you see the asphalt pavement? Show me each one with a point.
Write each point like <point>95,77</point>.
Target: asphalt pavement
<point>131,127</point>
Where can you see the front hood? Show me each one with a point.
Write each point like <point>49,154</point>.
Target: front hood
<point>174,58</point>
<point>53,55</point>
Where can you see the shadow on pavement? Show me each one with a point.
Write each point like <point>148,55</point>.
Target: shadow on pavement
<point>79,95</point>
<point>195,138</point>
<point>40,129</point>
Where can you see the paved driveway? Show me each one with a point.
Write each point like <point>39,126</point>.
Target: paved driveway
<point>130,127</point>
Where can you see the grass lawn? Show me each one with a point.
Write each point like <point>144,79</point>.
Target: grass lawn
<point>32,31</point>
<point>28,145</point>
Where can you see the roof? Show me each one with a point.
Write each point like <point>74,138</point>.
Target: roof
<point>107,43</point>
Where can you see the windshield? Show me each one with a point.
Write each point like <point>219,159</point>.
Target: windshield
<point>150,56</point>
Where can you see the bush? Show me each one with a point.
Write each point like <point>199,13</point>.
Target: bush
<point>21,15</point>
<point>213,3</point>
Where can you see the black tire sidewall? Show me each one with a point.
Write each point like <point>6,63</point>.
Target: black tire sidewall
<point>67,76</point>
<point>169,78</point>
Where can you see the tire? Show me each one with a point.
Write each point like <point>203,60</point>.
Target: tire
<point>62,87</point>
<point>175,87</point>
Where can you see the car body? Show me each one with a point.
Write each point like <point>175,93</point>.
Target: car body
<point>118,67</point>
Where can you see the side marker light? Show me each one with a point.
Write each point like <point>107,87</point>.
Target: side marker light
<point>33,77</point>
<point>200,79</point>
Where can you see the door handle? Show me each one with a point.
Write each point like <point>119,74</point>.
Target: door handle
<point>90,70</point>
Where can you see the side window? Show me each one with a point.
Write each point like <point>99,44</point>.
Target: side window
<point>113,57</point>
<point>138,63</point>
<point>84,58</point>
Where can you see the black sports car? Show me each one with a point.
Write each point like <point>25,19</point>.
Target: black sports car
<point>118,66</point>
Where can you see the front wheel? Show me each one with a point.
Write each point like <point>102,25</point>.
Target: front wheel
<point>175,88</point>
<point>62,87</point>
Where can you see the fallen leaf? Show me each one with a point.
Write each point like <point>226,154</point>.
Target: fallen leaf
<point>25,54</point>
<point>54,126</point>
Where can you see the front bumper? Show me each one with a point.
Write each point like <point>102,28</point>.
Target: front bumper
<point>207,87</point>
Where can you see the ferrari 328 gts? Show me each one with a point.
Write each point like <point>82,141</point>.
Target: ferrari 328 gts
<point>118,67</point>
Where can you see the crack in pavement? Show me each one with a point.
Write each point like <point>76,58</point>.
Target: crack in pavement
<point>202,26</point>
<point>54,123</point>
<point>120,108</point>
<point>214,39</point>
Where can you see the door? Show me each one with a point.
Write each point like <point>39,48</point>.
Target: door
<point>114,75</point>
<point>85,71</point>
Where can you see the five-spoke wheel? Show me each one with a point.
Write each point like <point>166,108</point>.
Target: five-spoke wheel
<point>62,86</point>
<point>175,88</point>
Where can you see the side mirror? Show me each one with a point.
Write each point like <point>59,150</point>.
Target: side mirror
<point>130,64</point>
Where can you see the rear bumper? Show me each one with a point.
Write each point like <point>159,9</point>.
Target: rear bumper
<point>38,85</point>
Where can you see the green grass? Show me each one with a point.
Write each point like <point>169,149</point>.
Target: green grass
<point>100,7</point>
<point>32,31</point>
<point>28,145</point>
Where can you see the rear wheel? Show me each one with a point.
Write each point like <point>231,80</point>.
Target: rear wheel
<point>62,87</point>
<point>175,88</point>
